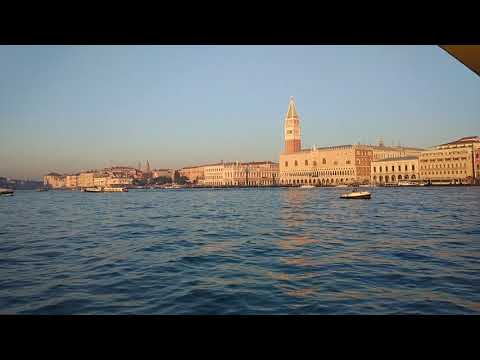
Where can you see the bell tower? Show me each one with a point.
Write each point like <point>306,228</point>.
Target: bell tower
<point>292,136</point>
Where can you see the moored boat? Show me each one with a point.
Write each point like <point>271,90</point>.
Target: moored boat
<point>6,192</point>
<point>115,189</point>
<point>173,186</point>
<point>407,183</point>
<point>93,189</point>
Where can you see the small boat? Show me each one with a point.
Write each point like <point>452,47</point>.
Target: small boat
<point>6,192</point>
<point>115,189</point>
<point>173,186</point>
<point>307,187</point>
<point>342,186</point>
<point>42,189</point>
<point>355,194</point>
<point>93,189</point>
<point>407,183</point>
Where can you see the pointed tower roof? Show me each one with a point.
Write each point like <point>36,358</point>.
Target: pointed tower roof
<point>292,109</point>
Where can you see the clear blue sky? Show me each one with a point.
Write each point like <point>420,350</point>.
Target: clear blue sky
<point>69,108</point>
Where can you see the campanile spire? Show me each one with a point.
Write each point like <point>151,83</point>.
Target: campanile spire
<point>292,134</point>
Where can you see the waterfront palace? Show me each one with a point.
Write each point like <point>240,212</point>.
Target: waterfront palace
<point>456,162</point>
<point>333,165</point>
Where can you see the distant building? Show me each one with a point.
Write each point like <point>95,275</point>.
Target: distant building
<point>344,164</point>
<point>322,166</point>
<point>20,184</point>
<point>257,173</point>
<point>54,180</point>
<point>194,174</point>
<point>214,175</point>
<point>453,162</point>
<point>292,130</point>
<point>100,180</point>
<point>117,175</point>
<point>393,170</point>
<point>124,171</point>
<point>261,173</point>
<point>71,181</point>
<point>86,179</point>
<point>156,173</point>
<point>389,152</point>
<point>465,142</point>
<point>119,181</point>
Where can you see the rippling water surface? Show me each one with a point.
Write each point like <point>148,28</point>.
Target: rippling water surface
<point>242,251</point>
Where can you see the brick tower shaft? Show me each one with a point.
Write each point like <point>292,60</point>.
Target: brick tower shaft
<point>293,142</point>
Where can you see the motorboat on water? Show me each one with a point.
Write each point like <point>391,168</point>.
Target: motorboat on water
<point>6,192</point>
<point>307,187</point>
<point>42,189</point>
<point>115,189</point>
<point>355,194</point>
<point>105,189</point>
<point>407,183</point>
<point>93,189</point>
<point>342,186</point>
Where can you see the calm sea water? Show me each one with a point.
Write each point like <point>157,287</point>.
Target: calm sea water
<point>243,251</point>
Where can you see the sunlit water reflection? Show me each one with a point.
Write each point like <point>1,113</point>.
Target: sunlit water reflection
<point>243,251</point>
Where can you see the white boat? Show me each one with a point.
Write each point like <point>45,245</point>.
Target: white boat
<point>407,183</point>
<point>342,186</point>
<point>115,189</point>
<point>6,192</point>
<point>307,187</point>
<point>173,186</point>
<point>93,189</point>
<point>356,195</point>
